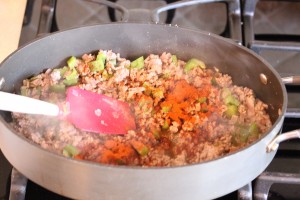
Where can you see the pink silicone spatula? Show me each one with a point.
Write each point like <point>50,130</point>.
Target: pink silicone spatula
<point>88,111</point>
<point>99,113</point>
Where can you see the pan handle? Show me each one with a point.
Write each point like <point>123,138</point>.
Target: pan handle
<point>291,80</point>
<point>274,144</point>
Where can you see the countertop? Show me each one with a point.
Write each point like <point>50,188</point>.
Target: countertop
<point>11,19</point>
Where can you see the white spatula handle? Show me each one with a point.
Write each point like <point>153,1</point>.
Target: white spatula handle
<point>22,104</point>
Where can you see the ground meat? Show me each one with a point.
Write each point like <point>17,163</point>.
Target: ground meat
<point>183,114</point>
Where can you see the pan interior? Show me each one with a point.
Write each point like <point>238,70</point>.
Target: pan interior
<point>134,40</point>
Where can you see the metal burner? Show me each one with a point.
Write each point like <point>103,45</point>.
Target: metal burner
<point>48,24</point>
<point>267,179</point>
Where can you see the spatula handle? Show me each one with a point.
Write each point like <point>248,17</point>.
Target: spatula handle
<point>23,104</point>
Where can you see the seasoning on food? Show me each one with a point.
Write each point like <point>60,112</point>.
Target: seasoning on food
<point>185,111</point>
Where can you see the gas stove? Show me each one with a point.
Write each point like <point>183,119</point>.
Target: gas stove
<point>251,23</point>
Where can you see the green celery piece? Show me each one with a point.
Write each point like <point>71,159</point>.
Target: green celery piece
<point>37,90</point>
<point>72,75</point>
<point>156,134</point>
<point>143,151</point>
<point>193,63</point>
<point>158,93</point>
<point>146,84</point>
<point>148,89</point>
<point>214,82</point>
<point>96,65</point>
<point>166,75</point>
<point>244,134</point>
<point>225,92</point>
<point>145,104</point>
<point>165,109</point>
<point>141,148</point>
<point>253,130</point>
<point>105,75</point>
<point>71,79</point>
<point>25,91</point>
<point>230,99</point>
<point>165,125</point>
<point>231,110</point>
<point>137,63</point>
<point>72,61</point>
<point>70,82</point>
<point>235,139</point>
<point>240,136</point>
<point>70,151</point>
<point>63,70</point>
<point>35,77</point>
<point>113,61</point>
<point>101,56</point>
<point>58,88</point>
<point>174,59</point>
<point>201,100</point>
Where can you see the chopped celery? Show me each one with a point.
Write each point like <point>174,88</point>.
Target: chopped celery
<point>225,92</point>
<point>25,91</point>
<point>214,82</point>
<point>96,65</point>
<point>35,77</point>
<point>165,125</point>
<point>37,91</point>
<point>72,75</point>
<point>235,139</point>
<point>138,63</point>
<point>141,148</point>
<point>240,136</point>
<point>202,100</point>
<point>70,82</point>
<point>244,133</point>
<point>72,78</point>
<point>193,63</point>
<point>105,75</point>
<point>231,110</point>
<point>156,134</point>
<point>113,61</point>
<point>166,109</point>
<point>148,89</point>
<point>72,61</point>
<point>70,151</point>
<point>62,71</point>
<point>253,130</point>
<point>174,59</point>
<point>144,151</point>
<point>166,75</point>
<point>230,99</point>
<point>59,88</point>
<point>145,104</point>
<point>101,56</point>
<point>158,93</point>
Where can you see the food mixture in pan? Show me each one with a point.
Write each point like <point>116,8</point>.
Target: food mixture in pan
<point>184,111</point>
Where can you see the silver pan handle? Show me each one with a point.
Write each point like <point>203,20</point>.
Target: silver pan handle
<point>291,80</point>
<point>274,144</point>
